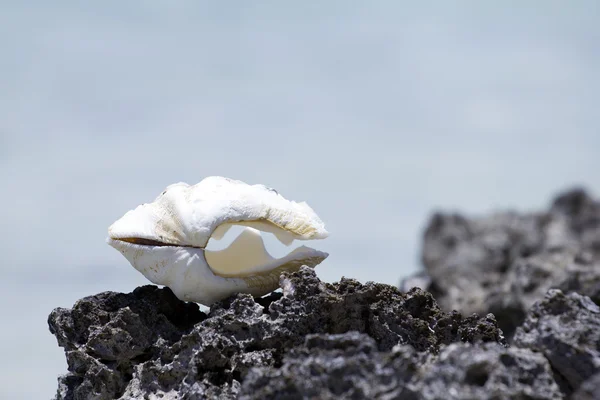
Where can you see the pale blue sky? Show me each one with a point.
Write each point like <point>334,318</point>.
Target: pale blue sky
<point>375,113</point>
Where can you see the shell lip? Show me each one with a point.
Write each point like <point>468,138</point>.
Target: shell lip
<point>123,232</point>
<point>250,241</point>
<point>141,243</point>
<point>145,242</point>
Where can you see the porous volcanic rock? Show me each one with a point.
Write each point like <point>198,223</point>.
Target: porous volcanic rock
<point>348,366</point>
<point>149,344</point>
<point>539,273</point>
<point>105,336</point>
<point>503,262</point>
<point>566,330</point>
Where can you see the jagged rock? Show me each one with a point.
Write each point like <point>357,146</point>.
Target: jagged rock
<point>149,343</point>
<point>502,263</point>
<point>566,329</point>
<point>105,336</point>
<point>348,366</point>
<point>488,371</point>
<point>341,366</point>
<point>363,341</point>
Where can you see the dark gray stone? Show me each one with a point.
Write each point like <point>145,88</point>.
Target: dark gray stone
<point>485,371</point>
<point>348,366</point>
<point>107,335</point>
<point>502,263</point>
<point>365,341</point>
<point>341,366</point>
<point>134,345</point>
<point>589,390</point>
<point>566,330</point>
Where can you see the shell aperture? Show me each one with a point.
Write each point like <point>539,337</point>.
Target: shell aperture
<point>166,240</point>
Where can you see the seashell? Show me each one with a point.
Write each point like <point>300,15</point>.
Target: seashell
<point>166,240</point>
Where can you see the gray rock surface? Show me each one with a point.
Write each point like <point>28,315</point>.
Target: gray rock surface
<point>566,330</point>
<point>133,345</point>
<point>325,341</point>
<point>486,371</point>
<point>340,366</point>
<point>369,341</point>
<point>589,390</point>
<point>348,366</point>
<point>105,336</point>
<point>502,263</point>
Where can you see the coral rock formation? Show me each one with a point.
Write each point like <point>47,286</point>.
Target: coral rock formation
<point>504,262</point>
<point>149,343</point>
<point>535,276</point>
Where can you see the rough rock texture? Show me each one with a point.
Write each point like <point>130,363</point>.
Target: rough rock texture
<point>341,366</point>
<point>566,330</point>
<point>348,366</point>
<point>369,341</point>
<point>105,336</point>
<point>132,345</point>
<point>590,390</point>
<point>325,341</point>
<point>504,262</point>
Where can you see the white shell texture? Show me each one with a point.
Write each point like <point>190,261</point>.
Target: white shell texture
<point>165,240</point>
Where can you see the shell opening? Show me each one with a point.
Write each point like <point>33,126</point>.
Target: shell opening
<point>242,250</point>
<point>237,249</point>
<point>145,242</point>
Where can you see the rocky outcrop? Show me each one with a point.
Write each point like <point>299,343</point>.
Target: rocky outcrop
<point>504,262</point>
<point>132,345</point>
<point>107,335</point>
<point>319,340</point>
<point>566,330</point>
<point>538,273</point>
<point>348,366</point>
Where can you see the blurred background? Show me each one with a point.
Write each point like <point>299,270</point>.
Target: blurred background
<point>375,113</point>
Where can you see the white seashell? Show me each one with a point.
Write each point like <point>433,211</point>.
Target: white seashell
<point>165,240</point>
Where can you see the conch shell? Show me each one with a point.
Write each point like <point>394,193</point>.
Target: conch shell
<point>166,240</point>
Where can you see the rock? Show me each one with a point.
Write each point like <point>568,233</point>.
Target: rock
<point>566,330</point>
<point>362,341</point>
<point>583,215</point>
<point>148,343</point>
<point>105,336</point>
<point>590,390</point>
<point>348,366</point>
<point>340,366</point>
<point>488,371</point>
<point>502,263</point>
